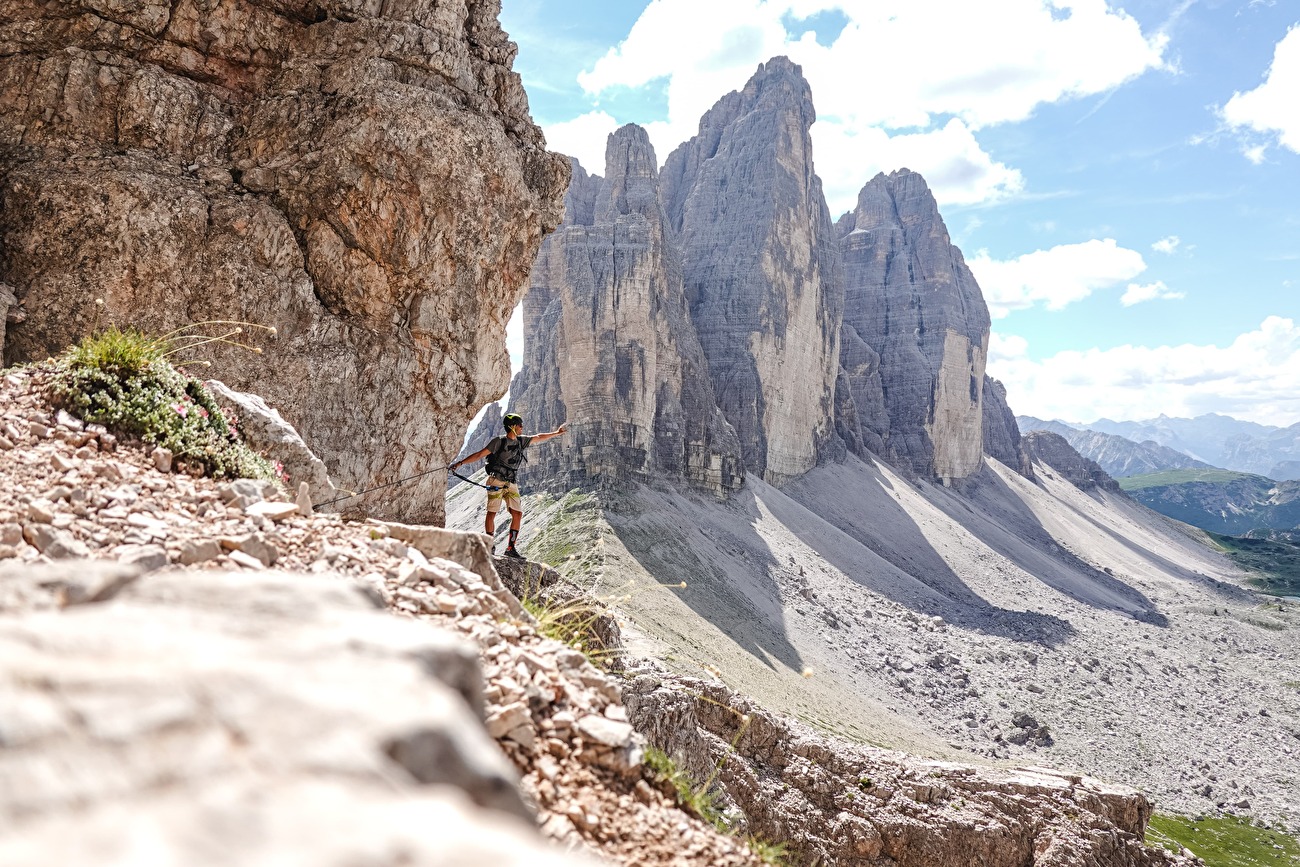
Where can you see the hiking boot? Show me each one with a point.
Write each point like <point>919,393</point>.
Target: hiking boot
<point>512,553</point>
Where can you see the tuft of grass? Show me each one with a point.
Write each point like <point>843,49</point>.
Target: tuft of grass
<point>122,379</point>
<point>572,623</point>
<point>1224,841</point>
<point>702,800</point>
<point>770,853</point>
<point>699,800</point>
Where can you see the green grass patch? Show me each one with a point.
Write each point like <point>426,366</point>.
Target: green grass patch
<point>1224,841</point>
<point>574,623</point>
<point>566,530</point>
<point>124,381</point>
<point>701,801</point>
<point>1182,477</point>
<point>1274,566</point>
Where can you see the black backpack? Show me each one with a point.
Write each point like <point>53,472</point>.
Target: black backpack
<point>497,459</point>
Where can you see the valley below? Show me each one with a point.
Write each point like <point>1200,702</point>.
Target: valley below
<point>1017,622</point>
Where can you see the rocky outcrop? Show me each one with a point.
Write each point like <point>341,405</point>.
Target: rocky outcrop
<point>1001,434</point>
<point>1053,451</point>
<point>611,349</point>
<point>836,803</point>
<point>910,296</point>
<point>761,270</point>
<point>363,178</point>
<point>266,431</point>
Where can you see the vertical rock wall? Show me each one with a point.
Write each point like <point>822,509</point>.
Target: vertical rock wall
<point>364,178</point>
<point>910,296</point>
<point>610,347</point>
<point>761,269</point>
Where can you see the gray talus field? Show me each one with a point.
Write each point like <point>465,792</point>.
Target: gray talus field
<point>1019,621</point>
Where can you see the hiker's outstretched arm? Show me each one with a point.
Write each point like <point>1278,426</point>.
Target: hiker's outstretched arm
<point>481,453</point>
<point>543,437</point>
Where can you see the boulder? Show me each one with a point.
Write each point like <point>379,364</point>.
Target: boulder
<point>257,717</point>
<point>266,431</point>
<point>363,178</point>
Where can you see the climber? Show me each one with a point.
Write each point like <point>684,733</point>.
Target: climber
<point>504,456</point>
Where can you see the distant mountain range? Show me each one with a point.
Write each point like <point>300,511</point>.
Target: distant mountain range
<point>1222,501</point>
<point>1165,443</point>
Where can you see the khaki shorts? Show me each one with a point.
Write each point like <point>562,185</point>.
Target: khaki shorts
<point>509,494</point>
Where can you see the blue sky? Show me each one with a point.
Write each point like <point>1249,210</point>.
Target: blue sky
<point>1123,177</point>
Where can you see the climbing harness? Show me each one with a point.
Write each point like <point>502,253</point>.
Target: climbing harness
<point>400,481</point>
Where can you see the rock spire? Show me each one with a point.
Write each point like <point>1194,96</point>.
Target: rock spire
<point>910,297</point>
<point>761,269</point>
<point>610,347</point>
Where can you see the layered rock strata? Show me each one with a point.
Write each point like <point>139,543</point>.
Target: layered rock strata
<point>365,180</point>
<point>611,348</point>
<point>835,803</point>
<point>910,297</point>
<point>761,269</point>
<point>1001,433</point>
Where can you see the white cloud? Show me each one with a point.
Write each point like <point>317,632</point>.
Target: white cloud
<point>954,165</point>
<point>976,70</point>
<point>1167,245</point>
<point>1056,277</point>
<point>583,137</point>
<point>1273,107</point>
<point>1136,294</point>
<point>1256,377</point>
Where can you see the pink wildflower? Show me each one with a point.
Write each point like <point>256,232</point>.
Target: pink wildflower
<point>181,409</point>
<point>203,412</point>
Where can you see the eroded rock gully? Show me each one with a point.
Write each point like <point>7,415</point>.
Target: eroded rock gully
<point>365,178</point>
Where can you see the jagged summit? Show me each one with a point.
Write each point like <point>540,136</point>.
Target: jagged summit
<point>761,271</point>
<point>867,335</point>
<point>610,348</point>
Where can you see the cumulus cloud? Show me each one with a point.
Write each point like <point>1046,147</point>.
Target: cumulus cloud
<point>1167,245</point>
<point>1054,278</point>
<point>583,137</point>
<point>978,69</point>
<point>1256,377</point>
<point>1272,108</point>
<point>1136,294</point>
<point>957,169</point>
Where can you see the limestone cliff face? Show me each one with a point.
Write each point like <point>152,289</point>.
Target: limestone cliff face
<point>911,298</point>
<point>761,269</point>
<point>365,178</point>
<point>1001,433</point>
<point>611,349</point>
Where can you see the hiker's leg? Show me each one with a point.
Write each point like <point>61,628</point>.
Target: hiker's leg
<point>516,520</point>
<point>495,500</point>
